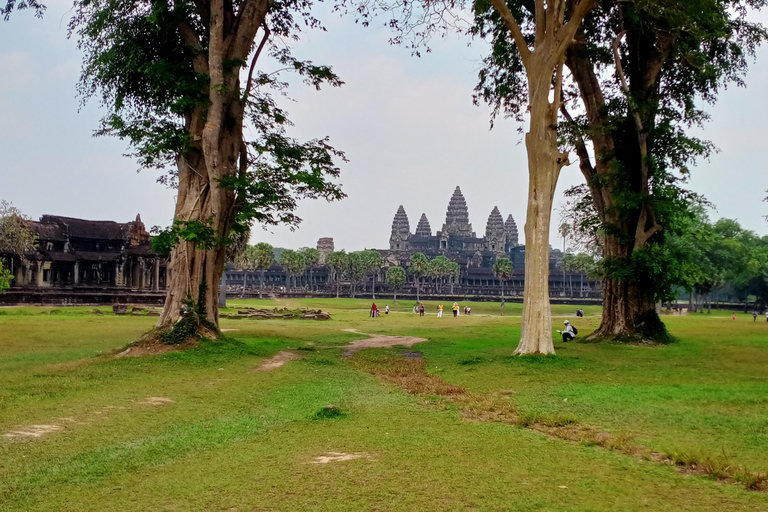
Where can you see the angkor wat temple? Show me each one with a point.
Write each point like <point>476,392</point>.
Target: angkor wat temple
<point>456,240</point>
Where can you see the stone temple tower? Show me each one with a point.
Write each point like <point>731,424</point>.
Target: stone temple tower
<point>511,230</point>
<point>495,233</point>
<point>457,217</point>
<point>401,231</point>
<point>423,229</point>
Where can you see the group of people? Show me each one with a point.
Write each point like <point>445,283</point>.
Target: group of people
<point>419,309</point>
<point>754,316</point>
<point>375,310</point>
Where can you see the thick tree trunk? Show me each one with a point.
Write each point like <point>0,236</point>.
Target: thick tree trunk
<point>623,303</point>
<point>195,273</point>
<point>544,164</point>
<point>261,285</point>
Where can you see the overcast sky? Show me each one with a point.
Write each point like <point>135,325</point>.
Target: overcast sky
<point>407,125</point>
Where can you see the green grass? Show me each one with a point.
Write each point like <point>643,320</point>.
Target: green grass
<point>233,439</point>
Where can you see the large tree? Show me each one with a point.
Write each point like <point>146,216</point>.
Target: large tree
<point>532,37</point>
<point>17,240</point>
<point>639,68</point>
<point>5,278</point>
<point>180,80</point>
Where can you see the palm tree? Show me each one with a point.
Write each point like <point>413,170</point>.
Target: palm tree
<point>418,265</point>
<point>311,258</point>
<point>373,264</point>
<point>337,262</point>
<point>262,260</point>
<point>503,269</point>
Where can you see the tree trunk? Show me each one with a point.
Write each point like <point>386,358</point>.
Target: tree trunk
<point>395,300</point>
<point>544,164</point>
<point>242,292</point>
<point>417,288</point>
<point>338,285</point>
<point>195,273</point>
<point>261,284</point>
<point>373,288</point>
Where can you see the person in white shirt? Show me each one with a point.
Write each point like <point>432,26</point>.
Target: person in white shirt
<point>568,333</point>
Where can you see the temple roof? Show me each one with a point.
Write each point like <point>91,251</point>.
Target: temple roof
<point>400,222</point>
<point>423,229</point>
<point>512,234</point>
<point>457,216</point>
<point>495,226</point>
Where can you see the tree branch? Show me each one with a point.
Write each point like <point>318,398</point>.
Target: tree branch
<point>250,17</point>
<point>565,36</point>
<point>253,62</point>
<point>581,148</point>
<point>191,39</point>
<point>517,35</point>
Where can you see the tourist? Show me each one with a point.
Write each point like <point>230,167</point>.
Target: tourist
<point>754,316</point>
<point>374,310</point>
<point>386,309</point>
<point>416,309</point>
<point>465,310</point>
<point>455,309</point>
<point>568,333</point>
<point>734,316</point>
<point>439,311</point>
<point>766,316</point>
<point>469,310</point>
<point>421,309</point>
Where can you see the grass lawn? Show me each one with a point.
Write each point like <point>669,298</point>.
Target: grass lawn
<point>200,430</point>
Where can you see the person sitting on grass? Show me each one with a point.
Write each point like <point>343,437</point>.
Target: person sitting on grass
<point>569,333</point>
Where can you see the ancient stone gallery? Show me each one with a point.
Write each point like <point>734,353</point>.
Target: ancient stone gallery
<point>77,254</point>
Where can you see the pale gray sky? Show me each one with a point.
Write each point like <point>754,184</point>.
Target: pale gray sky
<point>407,125</point>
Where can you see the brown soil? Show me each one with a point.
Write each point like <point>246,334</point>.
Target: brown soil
<point>339,457</point>
<point>32,431</point>
<point>156,400</point>
<point>380,341</point>
<point>150,345</point>
<point>277,361</point>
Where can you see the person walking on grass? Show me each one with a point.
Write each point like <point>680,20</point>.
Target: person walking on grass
<point>754,316</point>
<point>386,309</point>
<point>374,310</point>
<point>421,309</point>
<point>439,311</point>
<point>569,333</point>
<point>455,309</point>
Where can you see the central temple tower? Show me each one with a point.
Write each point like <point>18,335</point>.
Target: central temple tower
<point>457,217</point>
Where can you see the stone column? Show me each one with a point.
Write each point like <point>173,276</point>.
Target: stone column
<point>39,273</point>
<point>156,275</point>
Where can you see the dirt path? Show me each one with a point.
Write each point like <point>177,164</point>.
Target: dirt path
<point>277,360</point>
<point>379,341</point>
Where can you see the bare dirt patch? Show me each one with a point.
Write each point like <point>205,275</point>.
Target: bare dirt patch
<point>32,431</point>
<point>156,400</point>
<point>150,345</point>
<point>339,457</point>
<point>380,341</point>
<point>277,361</point>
